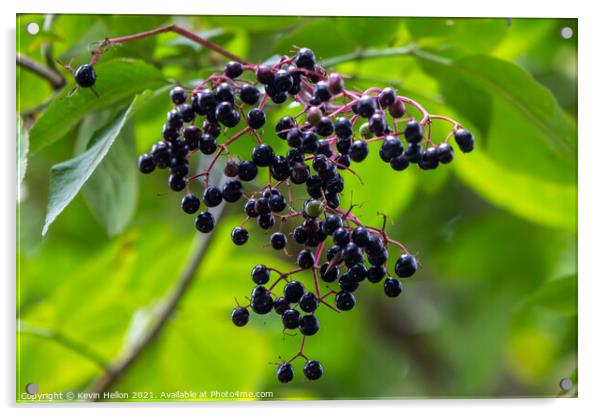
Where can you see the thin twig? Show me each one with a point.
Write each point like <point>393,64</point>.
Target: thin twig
<point>67,342</point>
<point>56,80</point>
<point>119,368</point>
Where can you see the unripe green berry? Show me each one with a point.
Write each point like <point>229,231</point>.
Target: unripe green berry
<point>313,208</point>
<point>365,131</point>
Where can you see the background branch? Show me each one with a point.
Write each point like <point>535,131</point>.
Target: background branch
<point>56,80</point>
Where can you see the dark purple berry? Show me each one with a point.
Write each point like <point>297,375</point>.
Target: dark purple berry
<point>239,236</point>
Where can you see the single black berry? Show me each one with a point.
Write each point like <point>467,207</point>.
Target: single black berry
<point>239,236</point>
<point>207,144</point>
<point>249,94</point>
<point>366,106</point>
<point>262,155</point>
<point>465,140</point>
<point>178,95</point>
<point>345,301</point>
<point>232,191</point>
<point>278,241</point>
<point>233,69</point>
<point>293,291</point>
<point>260,274</point>
<point>358,151</point>
<point>329,273</point>
<point>261,300</point>
<point>190,204</point>
<point>146,163</point>
<point>308,302</point>
<point>413,132</point>
<point>176,183</point>
<point>212,196</point>
<point>387,97</point>
<point>309,325</point>
<point>376,274</point>
<point>256,118</point>
<point>306,59</point>
<point>85,76</point>
<point>300,235</point>
<point>429,159</point>
<point>291,318</point>
<point>285,373</point>
<point>313,370</point>
<point>240,316</point>
<point>266,221</point>
<point>324,127</point>
<point>204,222</point>
<point>281,305</point>
<point>305,259</point>
<point>393,287</point>
<point>225,92</point>
<point>445,153</point>
<point>406,265</point>
<point>247,170</point>
<point>264,74</point>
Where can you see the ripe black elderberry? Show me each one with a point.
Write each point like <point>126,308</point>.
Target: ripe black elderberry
<point>178,95</point>
<point>256,118</point>
<point>212,196</point>
<point>312,370</point>
<point>285,373</point>
<point>309,325</point>
<point>406,265</point>
<point>308,302</point>
<point>247,170</point>
<point>239,236</point>
<point>260,274</point>
<point>190,204</point>
<point>291,318</point>
<point>413,132</point>
<point>278,241</point>
<point>345,301</point>
<point>233,69</point>
<point>240,316</point>
<point>262,155</point>
<point>293,291</point>
<point>249,94</point>
<point>204,222</point>
<point>393,287</point>
<point>465,140</point>
<point>146,163</point>
<point>85,76</point>
<point>305,259</point>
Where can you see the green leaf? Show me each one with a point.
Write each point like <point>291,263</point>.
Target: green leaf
<point>527,110</point>
<point>558,295</point>
<point>544,202</point>
<point>468,35</point>
<point>116,80</point>
<point>68,177</point>
<point>112,190</point>
<point>22,150</point>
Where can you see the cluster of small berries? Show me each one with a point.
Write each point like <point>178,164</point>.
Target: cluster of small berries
<point>320,148</point>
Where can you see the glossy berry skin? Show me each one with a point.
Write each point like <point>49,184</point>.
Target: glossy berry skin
<point>345,301</point>
<point>260,274</point>
<point>306,59</point>
<point>406,265</point>
<point>293,291</point>
<point>247,170</point>
<point>291,318</point>
<point>325,127</point>
<point>266,221</point>
<point>340,236</point>
<point>212,196</point>
<point>256,118</point>
<point>376,274</point>
<point>358,151</point>
<point>378,124</point>
<point>347,284</point>
<point>390,148</point>
<point>300,235</point>
<point>190,204</point>
<point>186,112</point>
<point>313,370</point>
<point>249,94</point>
<point>387,97</point>
<point>178,95</point>
<point>308,302</point>
<point>285,373</point>
<point>465,140</point>
<point>225,92</point>
<point>207,144</point>
<point>331,223</point>
<point>233,69</point>
<point>357,272</point>
<point>278,241</point>
<point>276,203</point>
<point>280,168</point>
<point>413,132</point>
<point>240,316</point>
<point>239,236</point>
<point>399,163</point>
<point>264,74</point>
<point>204,222</point>
<point>283,81</point>
<point>321,92</point>
<point>445,153</point>
<point>393,287</point>
<point>414,153</point>
<point>261,301</point>
<point>281,305</point>
<point>366,106</point>
<point>232,191</point>
<point>262,155</point>
<point>284,125</point>
<point>397,109</point>
<point>85,76</point>
<point>176,183</point>
<point>429,159</point>
<point>146,163</point>
<point>309,325</point>
<point>305,259</point>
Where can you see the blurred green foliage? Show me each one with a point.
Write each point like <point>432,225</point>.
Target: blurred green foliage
<point>492,311</point>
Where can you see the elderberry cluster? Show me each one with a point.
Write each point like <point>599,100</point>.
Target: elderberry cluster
<point>333,130</point>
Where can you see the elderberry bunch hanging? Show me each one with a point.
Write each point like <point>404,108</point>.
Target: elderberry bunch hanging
<point>336,252</point>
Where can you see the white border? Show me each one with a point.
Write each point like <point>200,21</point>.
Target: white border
<point>590,152</point>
